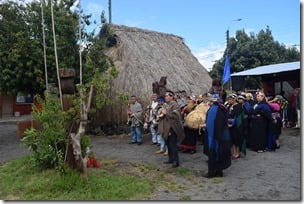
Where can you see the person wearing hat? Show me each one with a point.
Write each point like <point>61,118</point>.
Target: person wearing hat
<point>235,124</point>
<point>247,110</point>
<point>172,129</point>
<point>219,148</point>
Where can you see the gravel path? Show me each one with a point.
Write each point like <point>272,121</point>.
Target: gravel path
<point>258,176</point>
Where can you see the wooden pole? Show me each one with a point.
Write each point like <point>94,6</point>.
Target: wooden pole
<point>80,45</point>
<point>44,50</point>
<point>56,58</point>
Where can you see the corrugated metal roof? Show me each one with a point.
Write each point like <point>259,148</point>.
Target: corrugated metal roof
<point>270,69</point>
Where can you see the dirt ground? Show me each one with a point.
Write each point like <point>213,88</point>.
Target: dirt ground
<point>256,176</point>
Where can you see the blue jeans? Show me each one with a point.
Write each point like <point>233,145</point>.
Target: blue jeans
<point>162,142</point>
<point>136,134</point>
<point>153,133</point>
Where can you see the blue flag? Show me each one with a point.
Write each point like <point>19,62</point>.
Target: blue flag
<point>226,74</point>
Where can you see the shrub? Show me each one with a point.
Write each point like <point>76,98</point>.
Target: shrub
<point>48,146</point>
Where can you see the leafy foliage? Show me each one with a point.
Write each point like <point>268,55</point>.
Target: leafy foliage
<point>249,51</point>
<point>21,44</point>
<point>49,144</point>
<point>20,55</point>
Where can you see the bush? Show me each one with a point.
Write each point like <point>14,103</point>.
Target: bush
<point>48,146</point>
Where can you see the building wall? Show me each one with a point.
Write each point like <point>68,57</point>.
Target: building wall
<point>8,106</point>
<point>23,108</point>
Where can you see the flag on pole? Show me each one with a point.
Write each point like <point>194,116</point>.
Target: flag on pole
<point>226,74</point>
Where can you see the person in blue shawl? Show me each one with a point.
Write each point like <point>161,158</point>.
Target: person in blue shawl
<point>219,153</point>
<point>260,135</point>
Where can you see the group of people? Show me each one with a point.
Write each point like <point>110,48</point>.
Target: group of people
<point>231,124</point>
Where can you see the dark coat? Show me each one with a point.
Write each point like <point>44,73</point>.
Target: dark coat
<point>219,153</point>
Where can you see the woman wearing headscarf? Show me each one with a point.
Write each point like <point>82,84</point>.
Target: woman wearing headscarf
<point>235,125</point>
<point>259,124</point>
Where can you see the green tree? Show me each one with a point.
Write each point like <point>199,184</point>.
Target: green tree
<point>249,51</point>
<point>20,64</point>
<point>21,44</point>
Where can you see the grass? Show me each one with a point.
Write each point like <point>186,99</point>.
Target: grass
<point>185,198</point>
<point>21,181</point>
<point>182,171</point>
<point>217,180</point>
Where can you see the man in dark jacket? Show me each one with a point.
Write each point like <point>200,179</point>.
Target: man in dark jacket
<point>173,130</point>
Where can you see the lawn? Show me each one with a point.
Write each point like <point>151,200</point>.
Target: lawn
<point>20,180</point>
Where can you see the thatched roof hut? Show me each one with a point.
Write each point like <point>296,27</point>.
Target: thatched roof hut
<point>143,57</point>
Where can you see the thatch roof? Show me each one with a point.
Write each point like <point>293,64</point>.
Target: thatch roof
<point>143,56</point>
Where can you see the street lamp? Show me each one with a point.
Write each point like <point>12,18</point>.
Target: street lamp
<point>227,32</point>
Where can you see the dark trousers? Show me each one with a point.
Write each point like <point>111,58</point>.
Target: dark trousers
<point>171,143</point>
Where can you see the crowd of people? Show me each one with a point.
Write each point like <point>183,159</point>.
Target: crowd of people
<point>230,125</point>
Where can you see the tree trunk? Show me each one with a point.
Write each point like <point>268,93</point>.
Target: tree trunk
<point>80,161</point>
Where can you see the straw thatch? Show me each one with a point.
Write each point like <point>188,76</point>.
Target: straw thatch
<point>143,57</point>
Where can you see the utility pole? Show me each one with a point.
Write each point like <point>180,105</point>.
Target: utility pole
<point>227,41</point>
<point>227,33</point>
<point>110,11</point>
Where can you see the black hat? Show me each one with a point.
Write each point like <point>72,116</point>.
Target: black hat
<point>241,96</point>
<point>233,95</point>
<point>171,93</point>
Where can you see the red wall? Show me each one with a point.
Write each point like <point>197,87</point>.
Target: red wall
<point>24,109</point>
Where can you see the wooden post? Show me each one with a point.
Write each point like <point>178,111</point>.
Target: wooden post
<point>56,58</point>
<point>44,50</point>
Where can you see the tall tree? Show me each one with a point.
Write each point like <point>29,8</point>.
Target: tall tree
<point>249,51</point>
<point>21,43</point>
<point>20,57</point>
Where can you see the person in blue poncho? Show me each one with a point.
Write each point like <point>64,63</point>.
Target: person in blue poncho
<point>219,153</point>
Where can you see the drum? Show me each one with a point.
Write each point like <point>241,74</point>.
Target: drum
<point>196,118</point>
